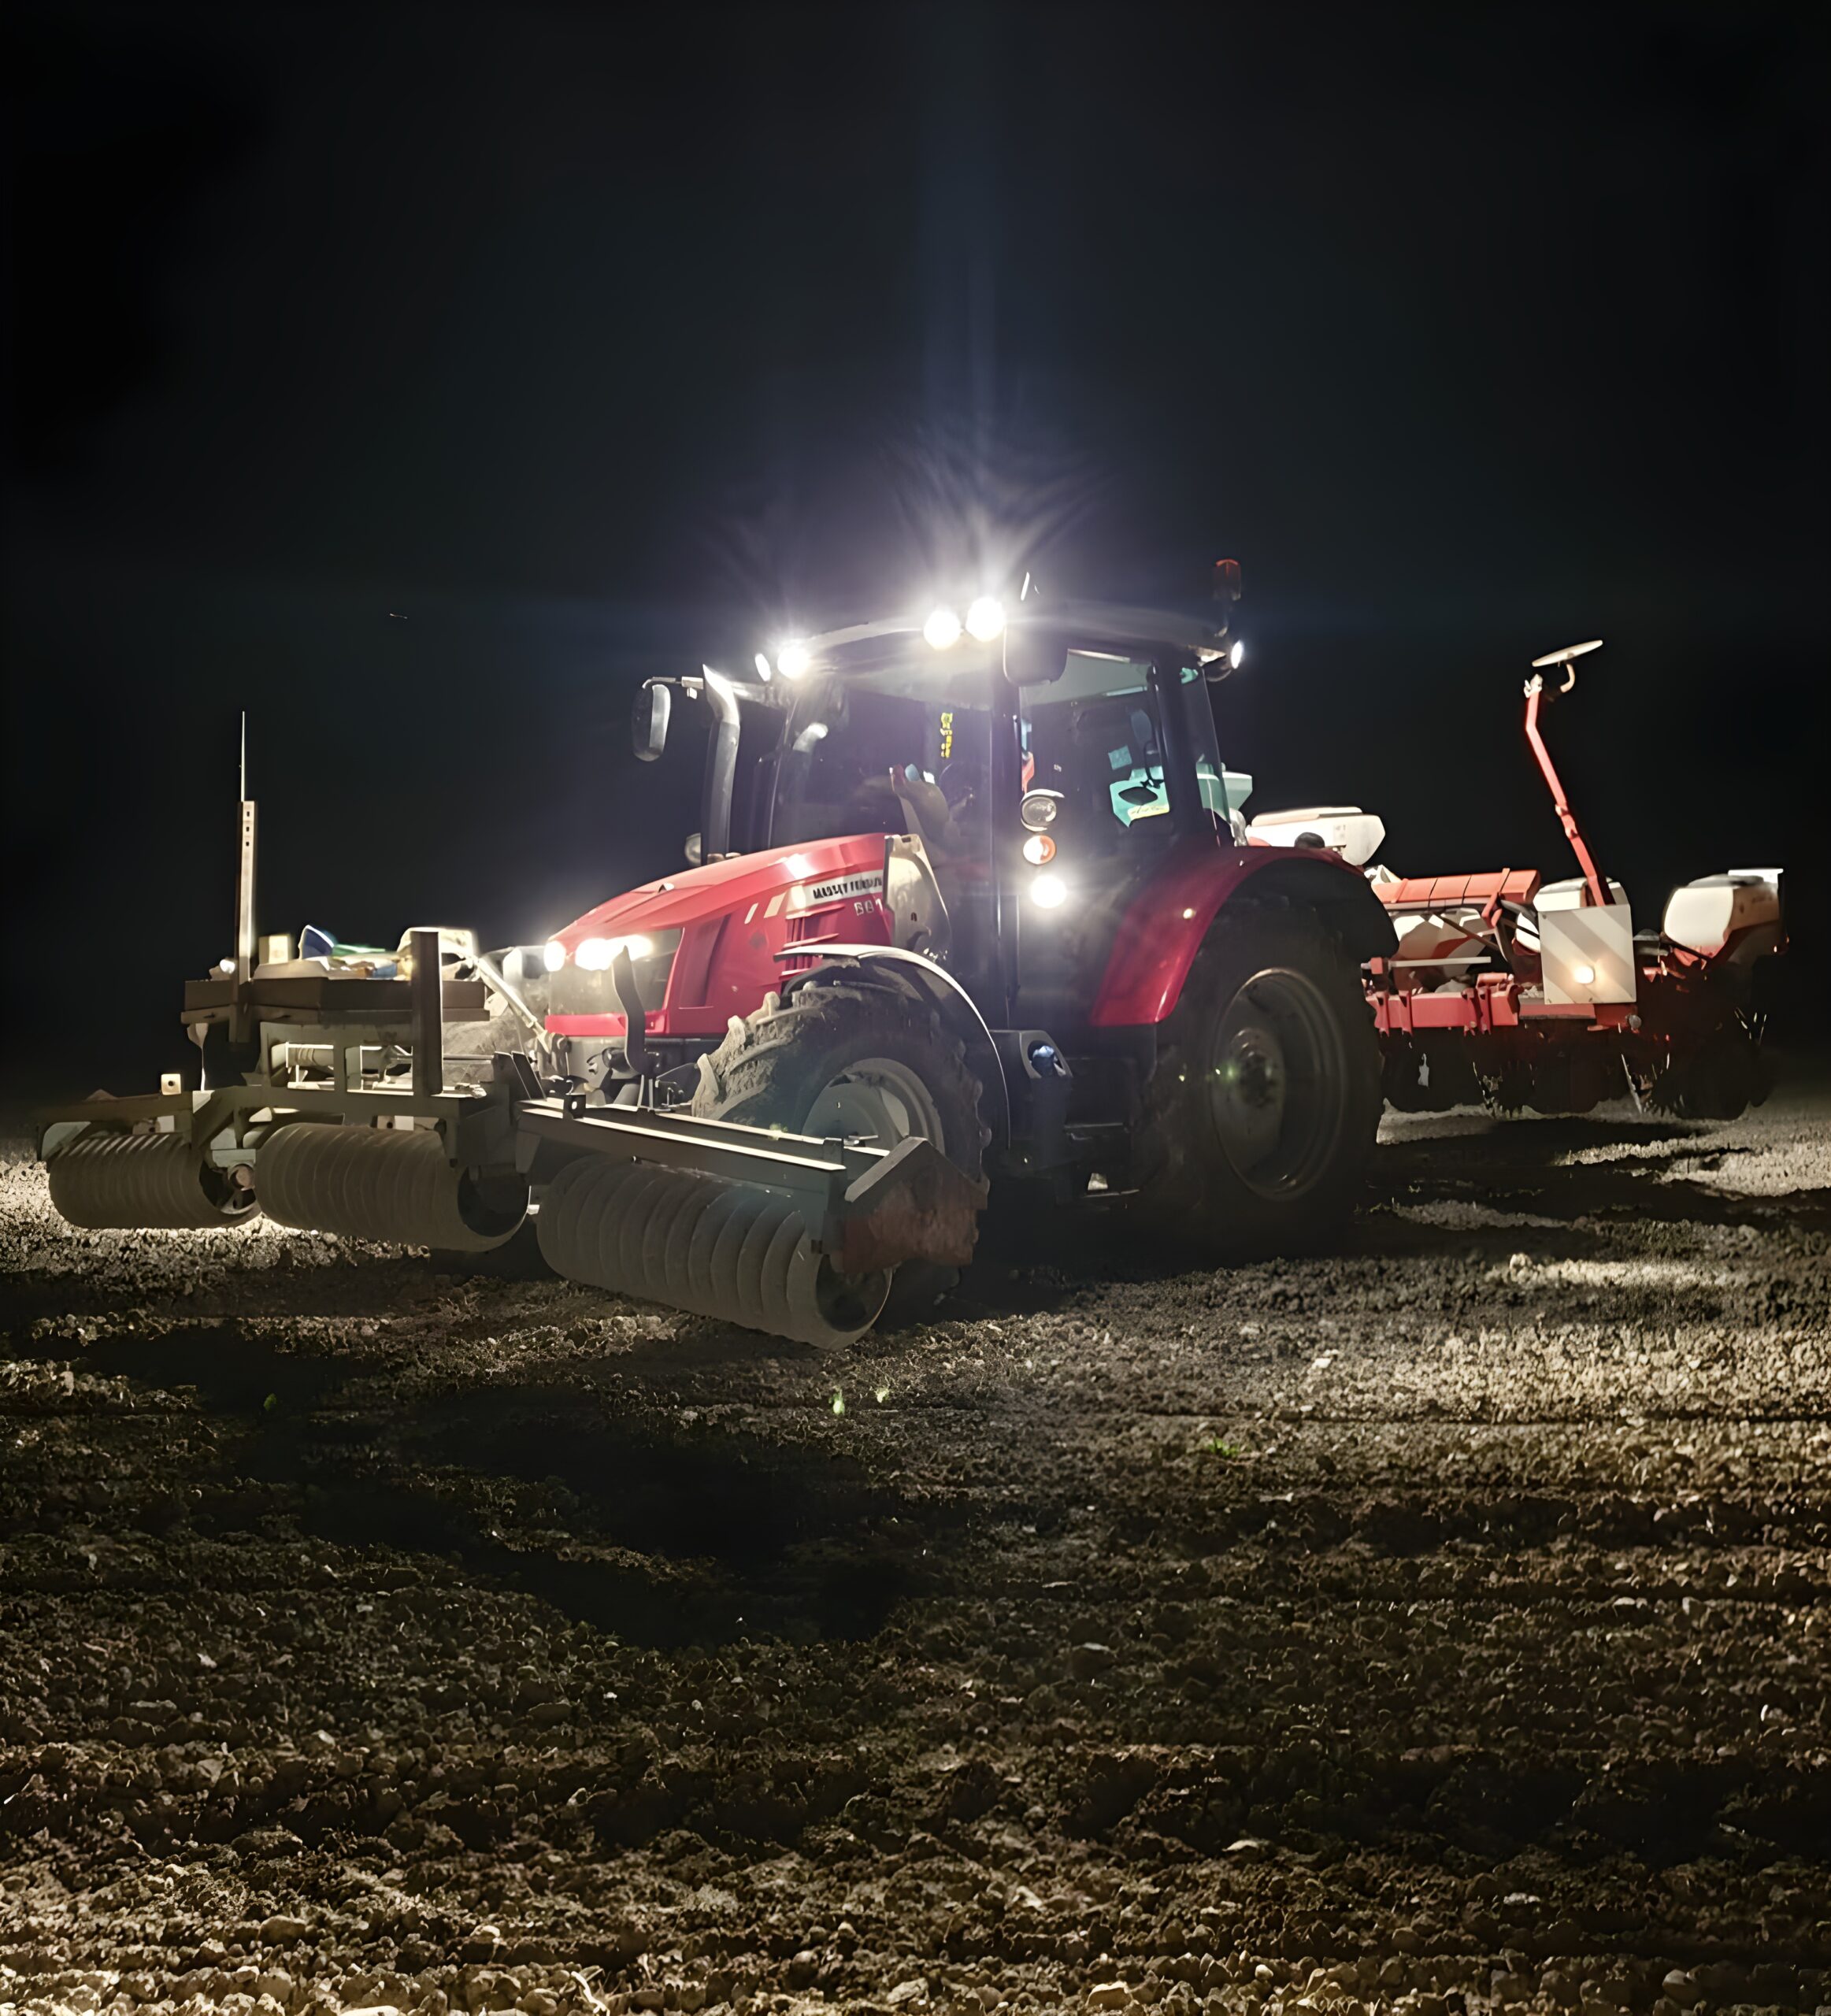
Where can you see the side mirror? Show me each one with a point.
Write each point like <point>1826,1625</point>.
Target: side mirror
<point>1034,658</point>
<point>648,722</point>
<point>1226,582</point>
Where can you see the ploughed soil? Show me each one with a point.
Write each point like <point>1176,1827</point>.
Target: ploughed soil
<point>1447,1623</point>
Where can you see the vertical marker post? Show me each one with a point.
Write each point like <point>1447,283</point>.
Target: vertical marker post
<point>241,1015</point>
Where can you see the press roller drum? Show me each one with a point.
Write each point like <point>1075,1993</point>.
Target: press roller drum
<point>136,1182</point>
<point>383,1184</point>
<point>722,1250</point>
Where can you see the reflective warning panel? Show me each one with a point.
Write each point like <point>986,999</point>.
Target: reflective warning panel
<point>1587,954</point>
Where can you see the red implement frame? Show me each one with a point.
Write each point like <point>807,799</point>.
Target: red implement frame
<point>1502,1015</point>
<point>1535,692</point>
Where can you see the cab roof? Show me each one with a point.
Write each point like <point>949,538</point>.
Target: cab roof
<point>1118,629</point>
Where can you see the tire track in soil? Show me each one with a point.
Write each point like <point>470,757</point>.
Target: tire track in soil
<point>1231,1641</point>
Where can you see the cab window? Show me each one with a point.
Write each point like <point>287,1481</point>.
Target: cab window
<point>1094,736</point>
<point>887,752</point>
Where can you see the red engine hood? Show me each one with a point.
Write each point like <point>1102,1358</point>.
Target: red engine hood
<point>698,895</point>
<point>737,919</point>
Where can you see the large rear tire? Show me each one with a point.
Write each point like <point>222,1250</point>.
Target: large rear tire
<point>1260,1116</point>
<point>843,1058</point>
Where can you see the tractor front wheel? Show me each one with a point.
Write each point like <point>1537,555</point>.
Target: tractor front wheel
<point>863,1061</point>
<point>1260,1116</point>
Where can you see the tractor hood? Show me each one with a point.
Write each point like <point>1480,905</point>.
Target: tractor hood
<point>769,880</point>
<point>709,943</point>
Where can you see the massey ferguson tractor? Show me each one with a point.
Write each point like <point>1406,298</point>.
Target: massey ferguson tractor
<point>973,903</point>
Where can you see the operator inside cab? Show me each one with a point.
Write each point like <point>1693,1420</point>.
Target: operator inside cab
<point>889,751</point>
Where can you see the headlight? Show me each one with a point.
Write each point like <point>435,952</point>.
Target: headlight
<point>587,986</point>
<point>793,660</point>
<point>1038,850</point>
<point>598,955</point>
<point>553,958</point>
<point>1049,892</point>
<point>942,628</point>
<point>986,618</point>
<point>1236,655</point>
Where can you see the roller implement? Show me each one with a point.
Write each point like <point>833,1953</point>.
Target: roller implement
<point>974,910</point>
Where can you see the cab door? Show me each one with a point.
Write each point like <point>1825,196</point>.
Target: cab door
<point>1109,780</point>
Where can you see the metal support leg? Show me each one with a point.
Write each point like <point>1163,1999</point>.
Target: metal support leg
<point>428,1017</point>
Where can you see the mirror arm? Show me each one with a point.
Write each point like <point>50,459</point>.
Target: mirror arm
<point>723,696</point>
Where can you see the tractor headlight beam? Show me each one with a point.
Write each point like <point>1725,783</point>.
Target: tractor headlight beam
<point>986,618</point>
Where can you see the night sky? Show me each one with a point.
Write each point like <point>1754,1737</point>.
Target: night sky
<point>421,380</point>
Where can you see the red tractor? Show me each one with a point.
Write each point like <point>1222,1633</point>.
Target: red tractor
<point>978,881</point>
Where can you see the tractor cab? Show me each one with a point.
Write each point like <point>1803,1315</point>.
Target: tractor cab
<point>1040,763</point>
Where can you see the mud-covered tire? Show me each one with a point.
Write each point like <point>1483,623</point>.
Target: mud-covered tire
<point>1260,1116</point>
<point>774,1068</point>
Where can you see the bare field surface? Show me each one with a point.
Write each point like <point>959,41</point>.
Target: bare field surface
<point>1443,1624</point>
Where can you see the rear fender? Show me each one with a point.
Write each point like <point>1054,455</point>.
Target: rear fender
<point>1164,924</point>
<point>922,979</point>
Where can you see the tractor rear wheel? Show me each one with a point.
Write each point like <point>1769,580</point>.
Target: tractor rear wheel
<point>1260,1116</point>
<point>862,1060</point>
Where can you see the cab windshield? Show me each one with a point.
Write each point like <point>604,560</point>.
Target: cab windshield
<point>1094,738</point>
<point>895,749</point>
